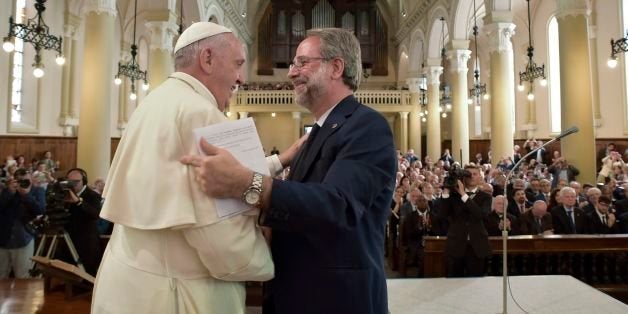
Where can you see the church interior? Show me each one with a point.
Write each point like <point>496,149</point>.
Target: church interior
<point>478,79</point>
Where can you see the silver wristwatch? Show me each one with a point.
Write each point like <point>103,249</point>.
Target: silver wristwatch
<point>253,194</point>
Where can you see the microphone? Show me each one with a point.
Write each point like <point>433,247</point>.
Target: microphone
<point>571,130</point>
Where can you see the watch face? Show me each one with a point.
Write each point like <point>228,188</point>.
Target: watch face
<point>252,197</point>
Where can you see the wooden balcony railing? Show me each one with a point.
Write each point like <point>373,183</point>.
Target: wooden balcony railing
<point>286,97</point>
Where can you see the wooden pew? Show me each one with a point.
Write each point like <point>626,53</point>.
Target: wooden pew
<point>598,260</point>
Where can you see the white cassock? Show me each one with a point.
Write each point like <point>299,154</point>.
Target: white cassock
<point>169,252</point>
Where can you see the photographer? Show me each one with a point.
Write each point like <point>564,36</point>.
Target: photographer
<point>84,206</point>
<point>465,206</point>
<point>20,202</point>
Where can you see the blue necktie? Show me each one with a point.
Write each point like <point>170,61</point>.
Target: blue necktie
<point>303,151</point>
<point>572,226</point>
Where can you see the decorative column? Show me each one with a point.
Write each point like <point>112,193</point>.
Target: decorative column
<point>414,126</point>
<point>390,118</point>
<point>243,114</point>
<point>595,78</point>
<point>67,116</point>
<point>94,134</point>
<point>296,118</point>
<point>460,94</point>
<point>575,78</point>
<point>403,135</point>
<point>530,124</point>
<point>433,117</point>
<point>160,59</point>
<point>502,88</point>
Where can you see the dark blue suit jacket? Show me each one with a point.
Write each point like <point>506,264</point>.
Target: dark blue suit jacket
<point>329,220</point>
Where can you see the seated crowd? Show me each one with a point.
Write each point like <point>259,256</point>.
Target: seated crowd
<point>542,199</point>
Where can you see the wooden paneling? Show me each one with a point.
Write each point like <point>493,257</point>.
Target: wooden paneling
<point>62,148</point>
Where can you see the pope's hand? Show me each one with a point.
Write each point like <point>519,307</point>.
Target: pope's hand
<point>219,173</point>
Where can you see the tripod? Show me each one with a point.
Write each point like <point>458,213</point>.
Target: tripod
<point>54,236</point>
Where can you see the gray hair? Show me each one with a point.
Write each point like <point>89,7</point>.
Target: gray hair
<point>341,43</point>
<point>184,57</point>
<point>567,189</point>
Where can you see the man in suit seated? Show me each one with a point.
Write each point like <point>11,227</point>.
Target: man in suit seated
<point>601,220</point>
<point>621,206</point>
<point>533,190</point>
<point>591,203</point>
<point>546,189</point>
<point>567,218</point>
<point>410,205</point>
<point>520,204</point>
<point>415,225</point>
<point>494,222</point>
<point>536,221</point>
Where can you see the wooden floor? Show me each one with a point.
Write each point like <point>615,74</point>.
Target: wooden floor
<point>26,296</point>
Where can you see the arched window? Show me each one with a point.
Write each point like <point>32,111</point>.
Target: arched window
<point>18,66</point>
<point>554,76</point>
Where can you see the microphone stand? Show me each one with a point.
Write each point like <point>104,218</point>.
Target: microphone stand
<point>505,230</point>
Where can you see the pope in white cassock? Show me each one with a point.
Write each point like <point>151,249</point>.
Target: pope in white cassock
<point>169,252</point>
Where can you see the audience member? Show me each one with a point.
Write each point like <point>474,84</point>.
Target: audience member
<point>495,221</point>
<point>467,245</point>
<point>562,170</point>
<point>84,206</point>
<point>567,218</point>
<point>20,202</point>
<point>601,220</point>
<point>536,221</point>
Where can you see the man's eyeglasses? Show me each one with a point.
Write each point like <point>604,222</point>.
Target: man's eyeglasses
<point>300,62</point>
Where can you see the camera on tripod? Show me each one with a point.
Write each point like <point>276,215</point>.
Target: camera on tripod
<point>455,173</point>
<point>56,215</point>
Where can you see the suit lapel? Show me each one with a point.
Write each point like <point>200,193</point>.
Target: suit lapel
<point>334,122</point>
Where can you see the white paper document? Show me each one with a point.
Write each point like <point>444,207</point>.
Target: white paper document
<point>240,138</point>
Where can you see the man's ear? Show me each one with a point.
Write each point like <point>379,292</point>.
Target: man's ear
<point>338,67</point>
<point>205,58</point>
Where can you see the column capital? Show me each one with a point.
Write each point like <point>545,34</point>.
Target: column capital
<point>403,115</point>
<point>71,24</point>
<point>458,59</point>
<point>499,35</point>
<point>100,6</point>
<point>296,115</point>
<point>566,8</point>
<point>125,52</point>
<point>162,35</point>
<point>592,31</point>
<point>433,74</point>
<point>414,84</point>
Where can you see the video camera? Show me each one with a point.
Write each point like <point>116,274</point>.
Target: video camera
<point>455,173</point>
<point>56,215</point>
